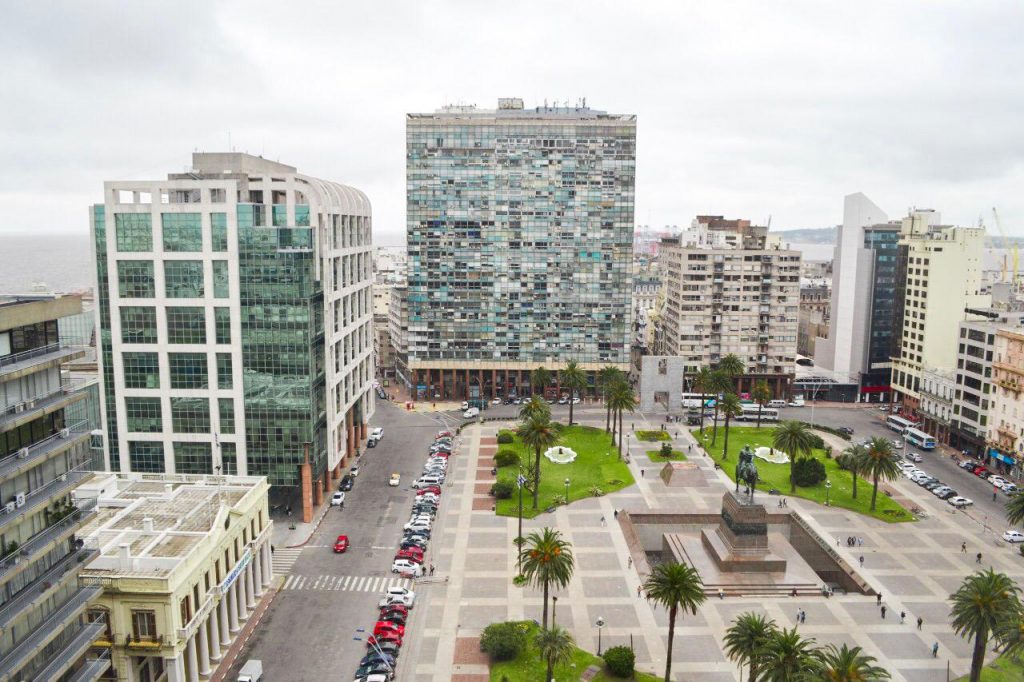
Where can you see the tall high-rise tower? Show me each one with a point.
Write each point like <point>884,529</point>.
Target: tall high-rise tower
<point>520,238</point>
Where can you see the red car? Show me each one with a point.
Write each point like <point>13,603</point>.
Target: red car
<point>341,544</point>
<point>980,471</point>
<point>394,608</point>
<point>385,627</point>
<point>429,489</point>
<point>411,553</point>
<point>443,434</point>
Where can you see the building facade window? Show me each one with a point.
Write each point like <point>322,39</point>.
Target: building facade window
<point>135,279</point>
<point>143,624</point>
<point>221,287</point>
<point>226,407</point>
<point>146,456</point>
<point>138,324</point>
<point>186,325</point>
<point>219,231</point>
<point>222,324</point>
<point>190,415</point>
<point>182,232</point>
<point>224,371</point>
<point>141,370</point>
<point>183,278</point>
<point>134,232</point>
<point>188,370</point>
<point>230,459</point>
<point>193,458</point>
<point>143,415</point>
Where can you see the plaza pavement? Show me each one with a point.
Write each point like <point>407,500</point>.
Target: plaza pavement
<point>915,567</point>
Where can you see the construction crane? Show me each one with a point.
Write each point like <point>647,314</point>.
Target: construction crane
<point>1006,245</point>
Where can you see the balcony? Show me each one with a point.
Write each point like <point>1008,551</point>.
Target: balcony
<point>49,630</point>
<point>76,647</point>
<point>1008,384</point>
<point>45,540</point>
<point>26,362</point>
<point>34,455</point>
<point>42,588</point>
<point>23,412</point>
<point>93,669</point>
<point>40,497</point>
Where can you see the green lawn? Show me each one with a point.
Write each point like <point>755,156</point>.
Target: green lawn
<point>1003,669</point>
<point>597,464</point>
<point>653,435</point>
<point>777,475</point>
<point>656,456</point>
<point>527,667</point>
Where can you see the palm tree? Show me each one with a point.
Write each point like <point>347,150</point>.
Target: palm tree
<point>732,366</point>
<point>607,378</point>
<point>761,395</point>
<point>1015,510</point>
<point>556,646</point>
<point>674,586</point>
<point>538,433</point>
<point>850,665</point>
<point>852,460</point>
<point>702,383</point>
<point>547,561</point>
<point>720,383</point>
<point>879,463</point>
<point>986,601</point>
<point>621,398</point>
<point>575,379</point>
<point>746,639</point>
<point>795,439</point>
<point>731,407</point>
<point>788,657</point>
<point>540,377</point>
<point>534,407</point>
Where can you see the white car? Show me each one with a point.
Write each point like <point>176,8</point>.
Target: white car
<point>395,480</point>
<point>404,595</point>
<point>406,567</point>
<point>496,401</point>
<point>1013,536</point>
<point>997,481</point>
<point>796,403</point>
<point>575,401</point>
<point>418,524</point>
<point>898,444</point>
<point>914,457</point>
<point>428,497</point>
<point>465,405</point>
<point>377,433</point>
<point>354,471</point>
<point>908,466</point>
<point>1010,489</point>
<point>471,412</point>
<point>563,400</point>
<point>338,500</point>
<point>960,502</point>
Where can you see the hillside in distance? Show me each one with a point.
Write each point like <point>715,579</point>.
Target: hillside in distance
<point>813,235</point>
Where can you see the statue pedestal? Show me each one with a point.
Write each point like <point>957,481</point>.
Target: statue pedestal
<point>740,542</point>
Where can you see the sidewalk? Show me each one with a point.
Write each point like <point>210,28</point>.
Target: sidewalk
<point>285,536</point>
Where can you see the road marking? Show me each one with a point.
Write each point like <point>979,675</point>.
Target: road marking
<point>344,583</point>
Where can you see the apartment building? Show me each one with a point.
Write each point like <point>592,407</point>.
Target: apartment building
<point>815,308</point>
<point>938,391</point>
<point>183,561</point>
<point>520,240</point>
<point>860,338</point>
<point>236,323</point>
<point>398,332</point>
<point>938,287</point>
<point>727,291</point>
<point>1005,433</point>
<point>45,632</point>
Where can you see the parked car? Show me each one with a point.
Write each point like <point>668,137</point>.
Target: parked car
<point>377,668</point>
<point>389,648</point>
<point>428,497</point>
<point>446,434</point>
<point>418,524</point>
<point>960,502</point>
<point>411,553</point>
<point>575,401</point>
<point>389,636</point>
<point>341,544</point>
<point>377,433</point>
<point>396,480</point>
<point>397,618</point>
<point>436,489</point>
<point>419,543</point>
<point>338,499</point>
<point>933,485</point>
<point>387,625</point>
<point>898,444</point>
<point>407,568</point>
<point>563,400</point>
<point>997,481</point>
<point>914,457</point>
<point>471,412</point>
<point>968,464</point>
<point>374,657</point>
<point>980,470</point>
<point>393,608</point>
<point>354,471</point>
<point>496,401</point>
<point>346,482</point>
<point>399,595</point>
<point>1010,489</point>
<point>846,429</point>
<point>944,493</point>
<point>1013,536</point>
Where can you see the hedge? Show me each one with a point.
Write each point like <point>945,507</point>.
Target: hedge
<point>620,661</point>
<point>503,641</point>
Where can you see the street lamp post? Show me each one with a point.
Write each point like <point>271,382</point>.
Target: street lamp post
<point>828,486</point>
<point>599,624</point>
<point>520,481</point>
<point>554,611</point>
<point>567,491</point>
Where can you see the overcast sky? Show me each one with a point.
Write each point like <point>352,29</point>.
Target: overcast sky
<point>747,109</point>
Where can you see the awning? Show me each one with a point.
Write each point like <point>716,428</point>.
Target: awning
<point>992,452</point>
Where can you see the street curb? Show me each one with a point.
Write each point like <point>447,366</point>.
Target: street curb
<point>313,530</point>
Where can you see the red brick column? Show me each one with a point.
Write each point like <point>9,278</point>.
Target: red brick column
<point>306,476</point>
<point>318,492</point>
<point>364,431</point>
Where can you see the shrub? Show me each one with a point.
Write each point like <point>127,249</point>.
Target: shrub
<point>596,491</point>
<point>506,458</point>
<point>503,641</point>
<point>653,435</point>
<point>828,429</point>
<point>620,661</point>
<point>519,580</point>
<point>666,449</point>
<point>559,500</point>
<point>503,490</point>
<point>505,437</point>
<point>808,471</point>
<point>817,442</point>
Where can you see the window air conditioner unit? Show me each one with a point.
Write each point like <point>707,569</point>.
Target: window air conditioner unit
<point>65,433</point>
<point>19,500</point>
<point>23,453</point>
<point>9,507</point>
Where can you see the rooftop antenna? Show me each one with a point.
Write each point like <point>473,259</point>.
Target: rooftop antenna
<point>584,102</point>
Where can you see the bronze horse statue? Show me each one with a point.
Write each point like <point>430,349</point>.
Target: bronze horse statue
<point>746,471</point>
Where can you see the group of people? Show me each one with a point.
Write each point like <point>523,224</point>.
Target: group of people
<point>854,541</point>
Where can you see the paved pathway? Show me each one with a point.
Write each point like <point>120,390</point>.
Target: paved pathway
<point>914,566</point>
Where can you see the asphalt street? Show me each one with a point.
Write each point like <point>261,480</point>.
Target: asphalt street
<point>310,629</point>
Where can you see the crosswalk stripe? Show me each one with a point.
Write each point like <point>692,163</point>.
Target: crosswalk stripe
<point>345,583</point>
<point>348,579</point>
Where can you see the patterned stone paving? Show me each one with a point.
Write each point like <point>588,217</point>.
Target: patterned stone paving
<point>914,566</point>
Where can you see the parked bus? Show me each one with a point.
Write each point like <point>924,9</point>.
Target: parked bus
<point>898,424</point>
<point>749,414</point>
<point>919,438</point>
<point>693,400</point>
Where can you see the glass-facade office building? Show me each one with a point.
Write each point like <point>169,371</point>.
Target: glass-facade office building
<point>520,234</point>
<point>235,315</point>
<point>883,242</point>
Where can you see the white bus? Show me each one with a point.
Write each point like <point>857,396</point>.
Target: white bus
<point>919,438</point>
<point>693,400</point>
<point>898,424</point>
<point>768,414</point>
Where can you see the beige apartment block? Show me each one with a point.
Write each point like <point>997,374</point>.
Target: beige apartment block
<point>183,560</point>
<point>938,279</point>
<point>728,291</point>
<point>1006,417</point>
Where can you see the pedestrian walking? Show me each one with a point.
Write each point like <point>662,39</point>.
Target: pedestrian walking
<point>629,562</point>
<point>639,588</point>
<point>878,599</point>
<point>963,548</point>
<point>603,522</point>
<point>979,558</point>
<point>721,593</point>
<point>920,622</point>
<point>883,612</point>
<point>803,616</point>
<point>862,561</point>
<point>860,542</point>
<point>993,495</point>
<point>903,617</point>
<point>431,569</point>
<point>641,473</point>
<point>785,503</point>
<point>935,650</point>
<point>616,513</point>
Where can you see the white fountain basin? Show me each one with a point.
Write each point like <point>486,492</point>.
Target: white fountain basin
<point>773,456</point>
<point>560,454</point>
